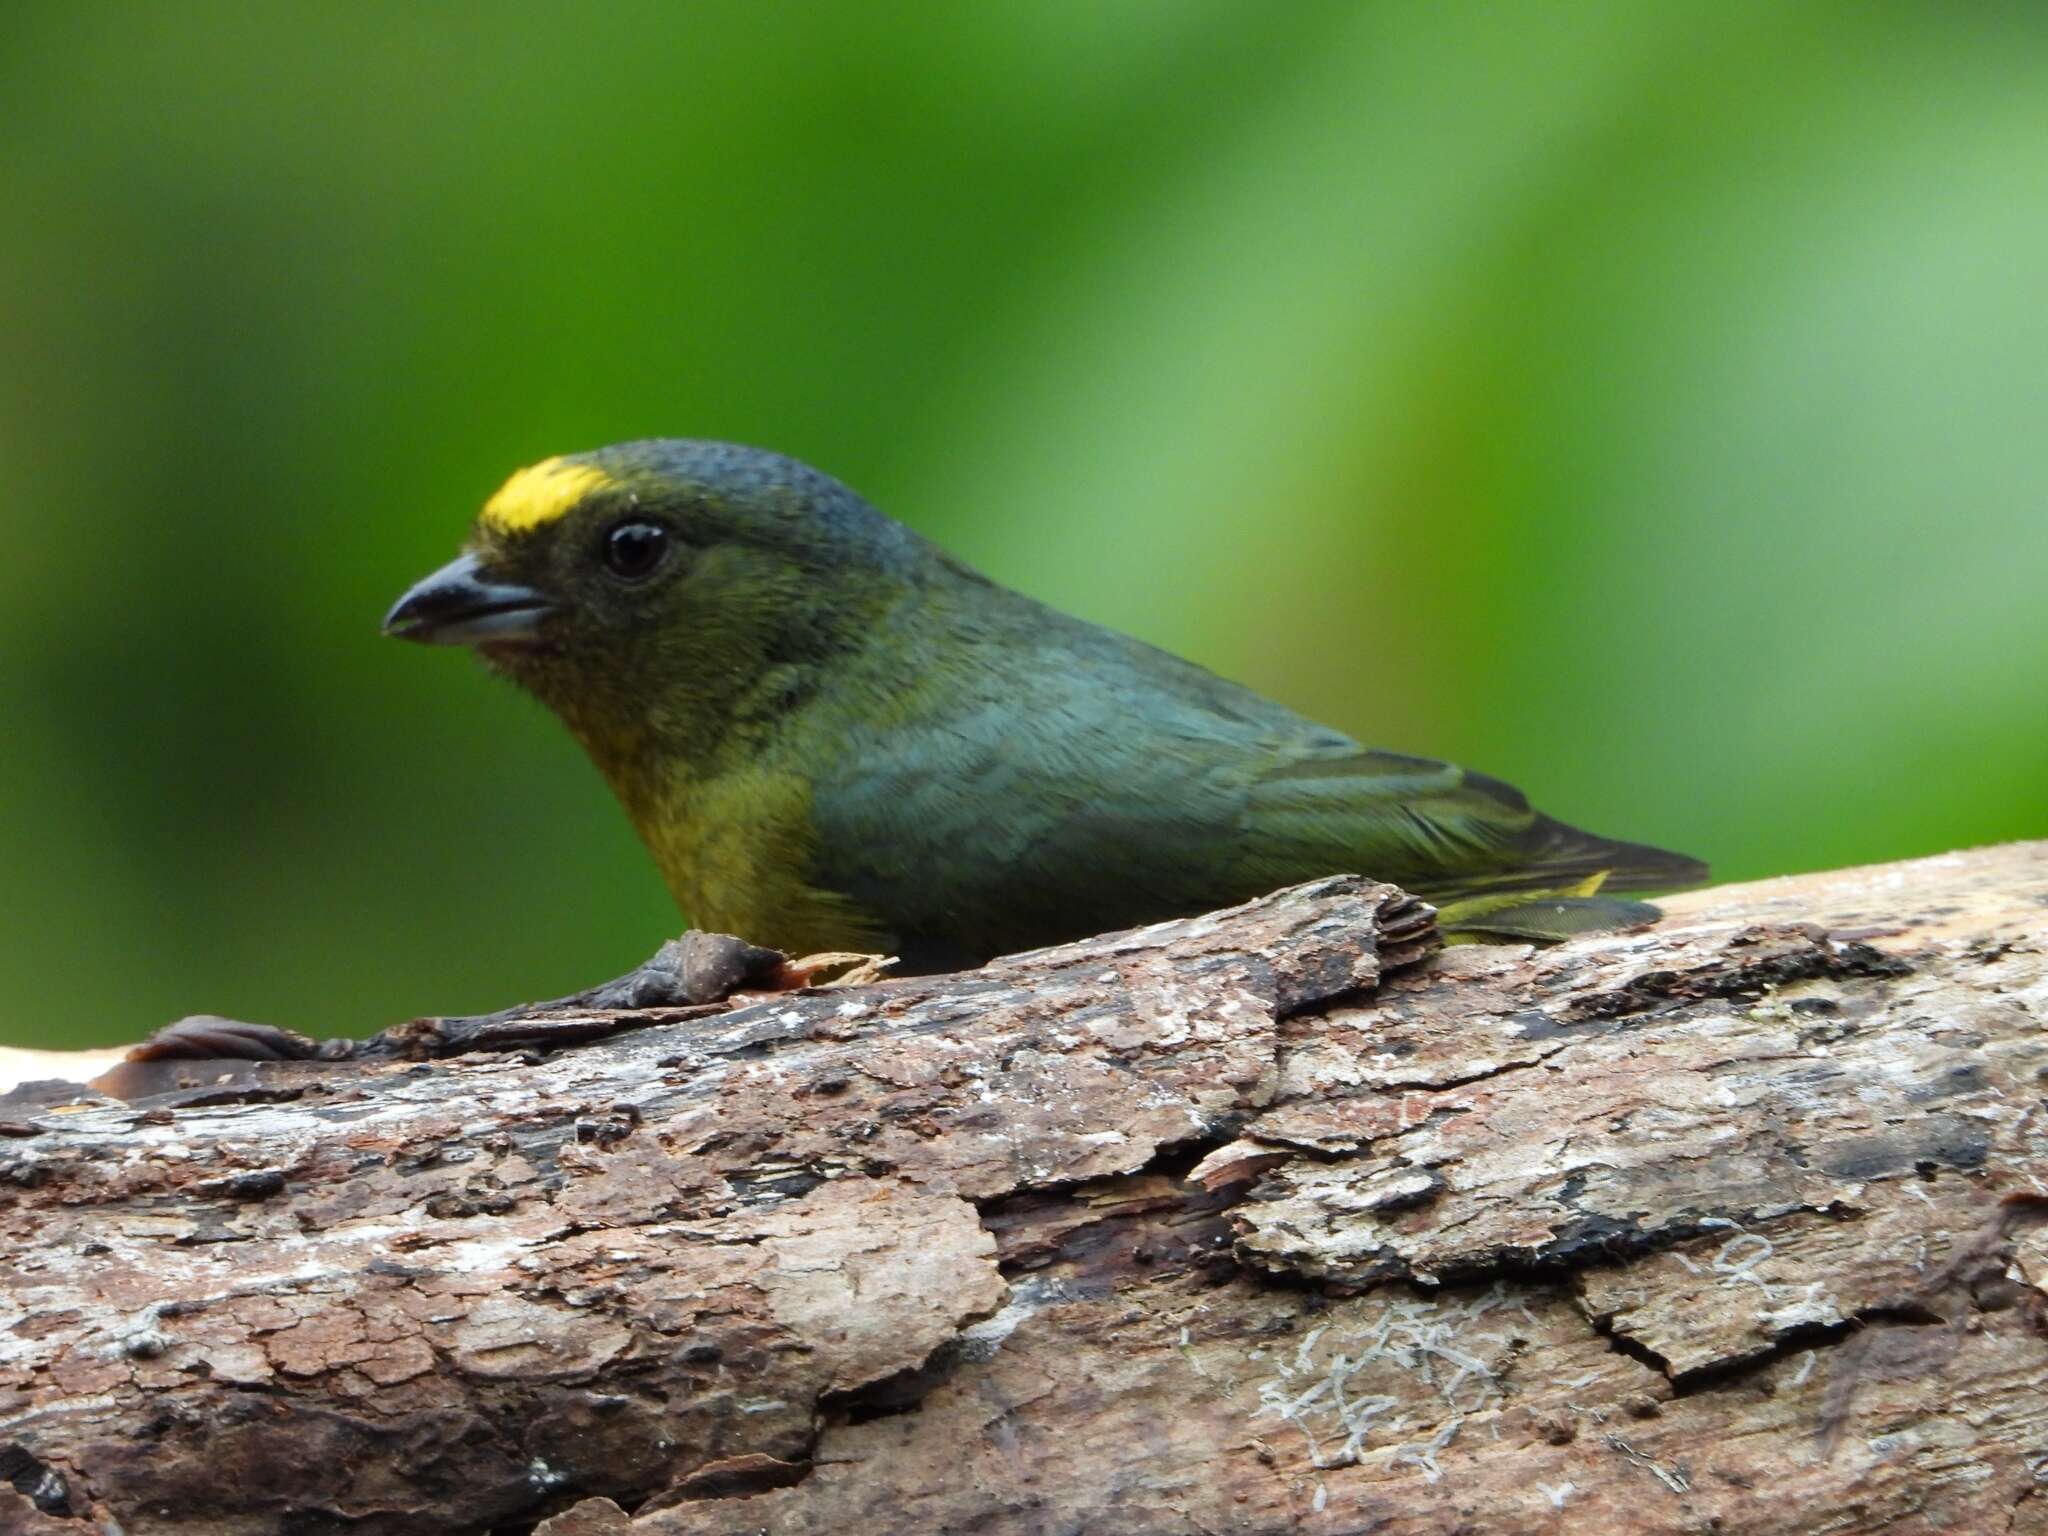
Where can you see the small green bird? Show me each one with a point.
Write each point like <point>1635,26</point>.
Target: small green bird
<point>832,735</point>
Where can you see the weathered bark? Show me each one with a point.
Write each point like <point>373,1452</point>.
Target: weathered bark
<point>1727,1225</point>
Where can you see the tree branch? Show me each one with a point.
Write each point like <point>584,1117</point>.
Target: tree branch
<point>1265,1221</point>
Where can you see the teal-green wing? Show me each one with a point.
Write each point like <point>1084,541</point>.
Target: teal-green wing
<point>1439,830</point>
<point>1058,780</point>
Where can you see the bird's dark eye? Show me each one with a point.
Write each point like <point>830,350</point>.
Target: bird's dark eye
<point>632,550</point>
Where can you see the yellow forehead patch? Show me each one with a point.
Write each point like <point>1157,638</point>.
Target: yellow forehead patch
<point>539,494</point>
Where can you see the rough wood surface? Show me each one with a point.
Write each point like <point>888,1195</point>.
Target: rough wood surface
<point>1260,1222</point>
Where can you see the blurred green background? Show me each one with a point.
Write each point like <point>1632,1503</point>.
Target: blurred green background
<point>1646,403</point>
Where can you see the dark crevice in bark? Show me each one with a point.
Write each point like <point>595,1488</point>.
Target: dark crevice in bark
<point>1625,1344</point>
<point>1764,958</point>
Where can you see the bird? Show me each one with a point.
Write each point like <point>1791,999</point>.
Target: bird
<point>834,735</point>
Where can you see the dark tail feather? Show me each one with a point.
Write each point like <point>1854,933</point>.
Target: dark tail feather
<point>1628,866</point>
<point>1550,854</point>
<point>1547,855</point>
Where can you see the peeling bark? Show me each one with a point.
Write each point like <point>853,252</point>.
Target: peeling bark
<point>1266,1221</point>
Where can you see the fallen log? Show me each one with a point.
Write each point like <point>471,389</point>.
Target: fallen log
<point>1273,1220</point>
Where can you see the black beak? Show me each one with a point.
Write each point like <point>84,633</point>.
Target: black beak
<point>458,606</point>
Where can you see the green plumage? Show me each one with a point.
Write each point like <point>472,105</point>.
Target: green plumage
<point>833,735</point>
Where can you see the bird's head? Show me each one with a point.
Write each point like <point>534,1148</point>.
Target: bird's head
<point>663,588</point>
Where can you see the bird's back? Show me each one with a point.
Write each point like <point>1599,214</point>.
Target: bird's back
<point>1053,778</point>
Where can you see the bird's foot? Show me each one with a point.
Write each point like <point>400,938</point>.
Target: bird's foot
<point>698,972</point>
<point>206,1054</point>
<point>834,968</point>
